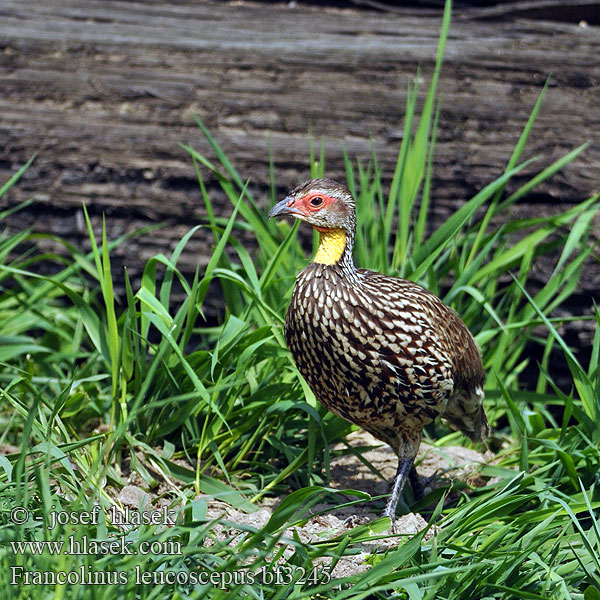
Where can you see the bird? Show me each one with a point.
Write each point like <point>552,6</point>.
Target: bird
<point>379,351</point>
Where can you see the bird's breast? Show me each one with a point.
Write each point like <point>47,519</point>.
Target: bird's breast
<point>364,359</point>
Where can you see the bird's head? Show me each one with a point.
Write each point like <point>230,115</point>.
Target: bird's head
<point>322,203</point>
<point>329,207</point>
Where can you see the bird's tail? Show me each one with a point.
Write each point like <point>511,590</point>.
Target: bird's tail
<point>466,413</point>
<point>481,427</point>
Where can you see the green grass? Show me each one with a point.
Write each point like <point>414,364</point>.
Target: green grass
<point>93,387</point>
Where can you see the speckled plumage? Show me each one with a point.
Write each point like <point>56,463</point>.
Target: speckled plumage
<point>379,351</point>
<point>384,353</point>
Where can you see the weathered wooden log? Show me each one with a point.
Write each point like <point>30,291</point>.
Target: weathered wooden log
<point>105,92</point>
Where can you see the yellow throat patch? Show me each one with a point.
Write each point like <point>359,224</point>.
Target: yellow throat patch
<point>332,243</point>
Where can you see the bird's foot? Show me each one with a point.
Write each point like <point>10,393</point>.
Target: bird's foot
<point>353,521</point>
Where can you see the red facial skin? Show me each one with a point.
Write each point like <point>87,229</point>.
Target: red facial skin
<point>306,208</point>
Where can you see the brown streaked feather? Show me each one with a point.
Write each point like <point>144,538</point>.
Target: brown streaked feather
<point>384,353</point>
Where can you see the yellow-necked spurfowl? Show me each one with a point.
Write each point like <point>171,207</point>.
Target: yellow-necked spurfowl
<point>382,352</point>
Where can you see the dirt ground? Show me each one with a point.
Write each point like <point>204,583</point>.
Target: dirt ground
<point>437,466</point>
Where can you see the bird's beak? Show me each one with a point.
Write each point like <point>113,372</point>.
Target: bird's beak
<point>285,207</point>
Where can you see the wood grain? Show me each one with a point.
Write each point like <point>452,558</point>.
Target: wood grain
<point>105,92</point>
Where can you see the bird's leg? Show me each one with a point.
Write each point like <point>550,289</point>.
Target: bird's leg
<point>404,468</point>
<point>415,483</point>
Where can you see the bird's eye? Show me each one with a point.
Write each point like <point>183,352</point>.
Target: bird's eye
<point>316,201</point>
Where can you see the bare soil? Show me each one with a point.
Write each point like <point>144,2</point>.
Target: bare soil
<point>438,467</point>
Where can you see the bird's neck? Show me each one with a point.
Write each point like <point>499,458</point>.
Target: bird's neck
<point>335,247</point>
